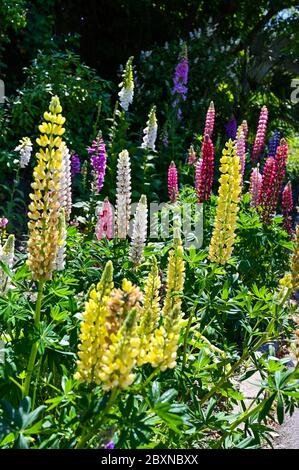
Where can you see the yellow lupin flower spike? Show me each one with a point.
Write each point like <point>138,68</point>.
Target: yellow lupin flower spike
<point>291,280</point>
<point>44,208</point>
<point>123,344</point>
<point>120,357</point>
<point>151,312</point>
<point>109,342</point>
<point>93,331</point>
<point>164,341</point>
<point>223,236</point>
<point>175,278</point>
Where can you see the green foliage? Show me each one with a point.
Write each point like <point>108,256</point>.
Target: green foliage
<point>236,322</point>
<point>85,99</point>
<point>293,163</point>
<point>191,406</point>
<point>261,249</point>
<point>13,17</point>
<point>18,424</point>
<point>80,90</point>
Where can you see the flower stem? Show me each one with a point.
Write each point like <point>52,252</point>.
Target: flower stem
<point>95,126</point>
<point>86,436</point>
<point>150,377</point>
<point>11,203</point>
<point>245,355</point>
<point>39,365</point>
<point>34,348</point>
<point>186,339</point>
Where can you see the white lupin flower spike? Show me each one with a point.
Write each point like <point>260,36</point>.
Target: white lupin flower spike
<point>126,93</point>
<point>123,195</point>
<point>139,232</point>
<point>25,151</point>
<point>150,132</point>
<point>66,181</point>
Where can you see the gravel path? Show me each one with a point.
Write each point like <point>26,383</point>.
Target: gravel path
<point>288,433</point>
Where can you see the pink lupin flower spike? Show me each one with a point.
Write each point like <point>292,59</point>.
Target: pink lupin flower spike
<point>255,186</point>
<point>241,150</point>
<point>210,120</point>
<point>258,145</point>
<point>104,226</point>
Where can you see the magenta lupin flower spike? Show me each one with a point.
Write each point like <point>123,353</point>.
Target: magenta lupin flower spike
<point>287,207</point>
<point>266,197</point>
<point>204,170</point>
<point>273,176</point>
<point>281,157</point>
<point>172,182</point>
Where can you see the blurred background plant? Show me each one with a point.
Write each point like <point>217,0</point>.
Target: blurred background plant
<point>242,56</point>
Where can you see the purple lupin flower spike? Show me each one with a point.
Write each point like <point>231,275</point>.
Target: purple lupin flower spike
<point>98,159</point>
<point>110,445</point>
<point>180,80</point>
<point>231,128</point>
<point>75,164</point>
<point>273,143</point>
